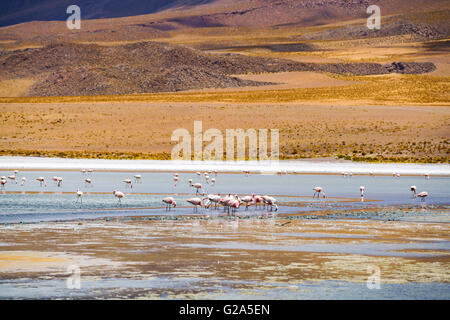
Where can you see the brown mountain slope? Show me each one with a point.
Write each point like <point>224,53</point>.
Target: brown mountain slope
<point>145,67</point>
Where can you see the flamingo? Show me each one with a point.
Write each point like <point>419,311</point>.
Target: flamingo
<point>138,178</point>
<point>88,182</point>
<point>80,196</point>
<point>318,190</point>
<point>16,171</point>
<point>128,183</point>
<point>361,190</point>
<point>90,170</point>
<point>225,202</point>
<point>190,182</point>
<point>257,200</point>
<point>197,186</point>
<point>213,181</point>
<point>119,195</point>
<point>23,181</point>
<point>271,201</point>
<point>196,202</point>
<point>422,195</point>
<point>3,182</point>
<point>212,198</point>
<point>83,171</point>
<point>247,200</point>
<point>12,178</point>
<point>41,181</point>
<point>59,181</point>
<point>176,180</point>
<point>234,204</point>
<point>413,190</point>
<point>169,201</point>
<point>427,176</point>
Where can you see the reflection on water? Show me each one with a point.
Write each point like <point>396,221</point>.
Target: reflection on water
<point>199,288</point>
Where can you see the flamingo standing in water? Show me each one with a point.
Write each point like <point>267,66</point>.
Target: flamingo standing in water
<point>23,181</point>
<point>413,190</point>
<point>271,201</point>
<point>16,171</point>
<point>257,200</point>
<point>59,181</point>
<point>197,186</point>
<point>213,181</point>
<point>422,195</point>
<point>128,183</point>
<point>12,178</point>
<point>212,198</point>
<point>41,181</point>
<point>138,178</point>
<point>318,191</point>
<point>3,182</point>
<point>247,200</point>
<point>234,204</point>
<point>176,180</point>
<point>169,201</point>
<point>361,190</point>
<point>427,176</point>
<point>79,196</point>
<point>88,182</point>
<point>196,202</point>
<point>119,195</point>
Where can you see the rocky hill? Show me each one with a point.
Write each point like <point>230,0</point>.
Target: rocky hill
<point>68,69</point>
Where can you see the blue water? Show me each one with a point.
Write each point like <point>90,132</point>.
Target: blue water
<point>53,203</point>
<point>168,288</point>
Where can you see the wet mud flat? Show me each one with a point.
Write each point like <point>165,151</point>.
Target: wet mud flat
<point>199,257</point>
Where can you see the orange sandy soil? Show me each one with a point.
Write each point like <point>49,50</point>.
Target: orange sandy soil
<point>143,130</point>
<point>156,248</point>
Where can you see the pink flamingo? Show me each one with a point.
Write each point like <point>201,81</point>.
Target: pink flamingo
<point>79,196</point>
<point>176,180</point>
<point>59,181</point>
<point>427,176</point>
<point>196,202</point>
<point>257,200</point>
<point>41,181</point>
<point>212,198</point>
<point>138,178</point>
<point>12,178</point>
<point>271,201</point>
<point>128,183</point>
<point>119,195</point>
<point>197,186</point>
<point>3,182</point>
<point>423,195</point>
<point>23,181</point>
<point>361,190</point>
<point>213,181</point>
<point>247,200</point>
<point>318,190</point>
<point>234,204</point>
<point>169,201</point>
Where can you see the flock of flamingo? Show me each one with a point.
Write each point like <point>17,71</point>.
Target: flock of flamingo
<point>230,203</point>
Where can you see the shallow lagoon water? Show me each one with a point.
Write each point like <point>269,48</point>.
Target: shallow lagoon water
<point>33,203</point>
<point>176,244</point>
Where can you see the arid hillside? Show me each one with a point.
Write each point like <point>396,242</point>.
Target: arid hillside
<point>146,67</point>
